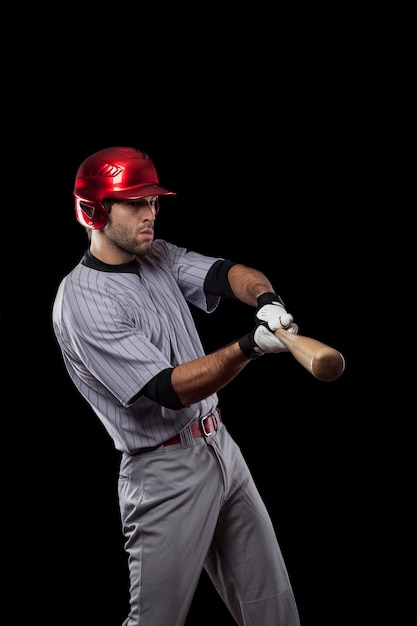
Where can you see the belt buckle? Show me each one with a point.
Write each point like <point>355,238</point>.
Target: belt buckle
<point>203,428</point>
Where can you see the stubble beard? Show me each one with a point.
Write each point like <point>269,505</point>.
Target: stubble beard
<point>122,239</point>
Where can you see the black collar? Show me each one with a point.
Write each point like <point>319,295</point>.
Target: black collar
<point>123,268</point>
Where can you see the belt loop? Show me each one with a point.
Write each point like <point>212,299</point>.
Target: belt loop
<point>187,437</point>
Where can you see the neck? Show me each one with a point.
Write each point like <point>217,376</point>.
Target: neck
<point>107,252</point>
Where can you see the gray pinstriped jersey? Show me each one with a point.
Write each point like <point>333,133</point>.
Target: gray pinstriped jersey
<point>117,330</point>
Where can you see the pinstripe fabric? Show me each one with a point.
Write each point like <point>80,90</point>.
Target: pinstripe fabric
<point>117,330</point>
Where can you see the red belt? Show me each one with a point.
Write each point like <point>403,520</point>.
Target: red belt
<point>205,427</point>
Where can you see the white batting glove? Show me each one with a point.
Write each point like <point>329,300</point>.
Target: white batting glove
<point>260,341</point>
<point>271,312</point>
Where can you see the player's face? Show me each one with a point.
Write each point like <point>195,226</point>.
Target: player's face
<point>131,225</point>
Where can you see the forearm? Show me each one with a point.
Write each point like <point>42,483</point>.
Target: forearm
<point>247,283</point>
<point>198,379</point>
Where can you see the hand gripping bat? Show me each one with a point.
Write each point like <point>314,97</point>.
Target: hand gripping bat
<point>322,361</point>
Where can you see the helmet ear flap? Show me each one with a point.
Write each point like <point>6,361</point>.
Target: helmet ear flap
<point>91,214</point>
<point>88,209</point>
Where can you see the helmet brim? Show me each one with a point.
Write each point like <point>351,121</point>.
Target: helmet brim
<point>140,191</point>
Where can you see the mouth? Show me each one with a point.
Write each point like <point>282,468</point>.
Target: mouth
<point>147,233</point>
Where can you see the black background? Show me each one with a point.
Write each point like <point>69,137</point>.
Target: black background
<point>274,152</point>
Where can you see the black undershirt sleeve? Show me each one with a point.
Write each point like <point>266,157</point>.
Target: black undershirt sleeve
<point>160,390</point>
<point>217,283</point>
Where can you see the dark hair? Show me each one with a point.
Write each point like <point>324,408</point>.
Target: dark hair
<point>107,202</point>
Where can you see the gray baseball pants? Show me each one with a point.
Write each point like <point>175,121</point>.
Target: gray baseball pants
<point>193,505</point>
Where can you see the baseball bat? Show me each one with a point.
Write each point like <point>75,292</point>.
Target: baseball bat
<point>322,361</point>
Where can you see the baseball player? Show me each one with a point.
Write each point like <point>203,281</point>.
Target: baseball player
<point>123,324</point>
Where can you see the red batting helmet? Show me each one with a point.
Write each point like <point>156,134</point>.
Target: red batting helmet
<point>119,173</point>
